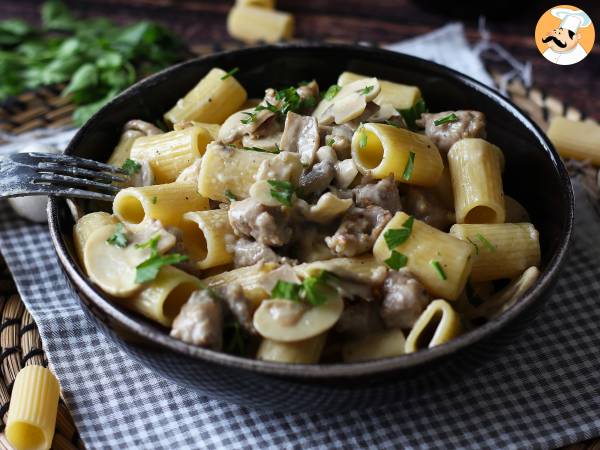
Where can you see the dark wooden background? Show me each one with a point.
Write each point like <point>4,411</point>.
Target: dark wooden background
<point>512,25</point>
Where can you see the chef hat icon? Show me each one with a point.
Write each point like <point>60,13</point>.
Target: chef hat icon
<point>571,19</point>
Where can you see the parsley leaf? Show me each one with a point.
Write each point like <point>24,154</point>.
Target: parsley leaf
<point>332,91</point>
<point>394,236</point>
<point>330,142</point>
<point>119,237</point>
<point>258,149</point>
<point>362,142</point>
<point>408,170</point>
<point>438,268</point>
<point>286,290</point>
<point>154,200</point>
<point>282,191</point>
<point>152,244</point>
<point>396,260</point>
<point>148,270</point>
<point>230,195</point>
<point>410,115</point>
<point>474,245</point>
<point>389,122</point>
<point>491,247</point>
<point>251,118</point>
<point>231,73</point>
<point>268,107</point>
<point>366,90</point>
<point>446,119</point>
<point>131,167</point>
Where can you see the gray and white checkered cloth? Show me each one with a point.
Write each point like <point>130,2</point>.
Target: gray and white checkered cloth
<point>544,391</point>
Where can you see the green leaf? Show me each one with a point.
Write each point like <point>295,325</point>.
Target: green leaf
<point>251,118</point>
<point>130,166</point>
<point>13,32</point>
<point>396,260</point>
<point>83,113</point>
<point>282,191</point>
<point>56,16</point>
<point>110,60</point>
<point>152,244</point>
<point>491,247</point>
<point>332,91</point>
<point>119,237</point>
<point>331,142</point>
<point>410,115</point>
<point>362,142</point>
<point>85,77</point>
<point>230,195</point>
<point>231,73</point>
<point>410,164</point>
<point>366,90</point>
<point>148,270</point>
<point>395,236</point>
<point>286,290</point>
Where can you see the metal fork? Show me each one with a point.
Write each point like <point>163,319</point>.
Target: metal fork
<point>24,174</point>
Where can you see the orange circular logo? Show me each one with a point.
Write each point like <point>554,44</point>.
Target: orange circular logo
<point>564,35</point>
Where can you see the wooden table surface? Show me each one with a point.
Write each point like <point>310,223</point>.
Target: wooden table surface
<point>383,21</point>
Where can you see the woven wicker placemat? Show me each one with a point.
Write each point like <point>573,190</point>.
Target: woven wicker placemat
<point>20,342</point>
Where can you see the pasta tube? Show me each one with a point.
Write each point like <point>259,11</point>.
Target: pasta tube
<point>212,100</point>
<point>250,278</point>
<point>204,237</point>
<point>501,250</point>
<point>212,128</point>
<point>33,408</point>
<point>170,153</point>
<point>400,96</point>
<point>269,4</point>
<point>307,351</point>
<point>229,169</point>
<point>476,172</point>
<point>577,140</point>
<point>440,261</point>
<point>164,202</point>
<point>381,150</point>
<point>122,151</point>
<point>251,24</point>
<point>382,344</point>
<point>85,226</point>
<point>438,324</point>
<point>164,297</point>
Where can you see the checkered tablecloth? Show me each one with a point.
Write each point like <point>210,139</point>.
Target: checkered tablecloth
<point>542,393</point>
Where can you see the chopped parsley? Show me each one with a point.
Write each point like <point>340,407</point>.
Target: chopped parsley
<point>148,270</point>
<point>282,191</point>
<point>389,122</point>
<point>366,90</point>
<point>256,149</point>
<point>251,118</point>
<point>332,91</point>
<point>410,165</point>
<point>119,237</point>
<point>131,167</point>
<point>439,270</point>
<point>290,100</point>
<point>231,73</point>
<point>491,247</point>
<point>330,142</point>
<point>268,107</point>
<point>286,290</point>
<point>396,260</point>
<point>410,115</point>
<point>396,236</point>
<point>362,142</point>
<point>312,290</point>
<point>446,119</point>
<point>230,195</point>
<point>154,200</point>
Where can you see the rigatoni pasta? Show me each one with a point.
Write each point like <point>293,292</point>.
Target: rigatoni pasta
<point>476,172</point>
<point>255,24</point>
<point>312,225</point>
<point>501,250</point>
<point>575,139</point>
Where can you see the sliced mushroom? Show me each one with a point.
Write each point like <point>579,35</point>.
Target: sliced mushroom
<point>144,177</point>
<point>327,153</point>
<point>146,128</point>
<point>191,173</point>
<point>288,321</point>
<point>113,268</point>
<point>328,207</point>
<point>301,135</point>
<point>349,103</point>
<point>285,272</point>
<point>285,166</point>
<point>345,173</point>
<point>233,129</point>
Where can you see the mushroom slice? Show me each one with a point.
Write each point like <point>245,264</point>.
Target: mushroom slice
<point>301,135</point>
<point>362,269</point>
<point>288,321</point>
<point>350,102</point>
<point>234,129</point>
<point>345,173</point>
<point>113,268</point>
<point>285,272</point>
<point>328,207</point>
<point>285,166</point>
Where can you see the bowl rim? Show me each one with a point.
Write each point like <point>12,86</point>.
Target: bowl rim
<point>141,327</point>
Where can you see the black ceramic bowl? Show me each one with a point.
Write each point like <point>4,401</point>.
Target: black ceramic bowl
<point>534,175</point>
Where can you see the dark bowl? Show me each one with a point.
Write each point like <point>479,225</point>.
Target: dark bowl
<point>534,175</point>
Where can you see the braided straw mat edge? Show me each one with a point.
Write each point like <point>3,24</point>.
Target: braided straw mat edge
<point>20,341</point>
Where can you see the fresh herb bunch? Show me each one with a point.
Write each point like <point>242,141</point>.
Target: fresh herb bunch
<point>96,57</point>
